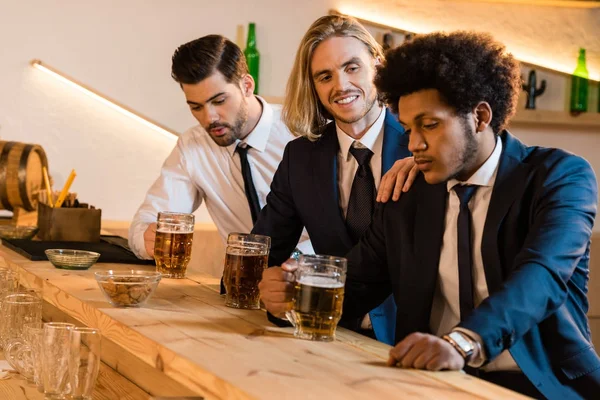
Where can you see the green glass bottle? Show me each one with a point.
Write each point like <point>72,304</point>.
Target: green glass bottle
<point>252,55</point>
<point>579,85</point>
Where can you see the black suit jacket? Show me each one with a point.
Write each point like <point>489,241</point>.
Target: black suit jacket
<point>304,193</point>
<point>535,249</point>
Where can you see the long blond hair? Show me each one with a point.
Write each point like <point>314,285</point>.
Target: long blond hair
<point>303,112</point>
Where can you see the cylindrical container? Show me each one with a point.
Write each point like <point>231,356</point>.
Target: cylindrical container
<point>21,174</point>
<point>318,296</point>
<point>246,258</point>
<point>173,243</point>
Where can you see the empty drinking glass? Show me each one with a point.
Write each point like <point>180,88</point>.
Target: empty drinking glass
<point>18,310</point>
<point>84,363</point>
<point>24,354</point>
<point>56,347</point>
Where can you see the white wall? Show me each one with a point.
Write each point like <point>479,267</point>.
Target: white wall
<point>123,49</point>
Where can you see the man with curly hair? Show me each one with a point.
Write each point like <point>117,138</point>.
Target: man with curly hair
<point>487,255</point>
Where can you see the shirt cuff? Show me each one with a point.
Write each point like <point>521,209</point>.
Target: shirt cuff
<point>480,357</point>
<point>305,247</point>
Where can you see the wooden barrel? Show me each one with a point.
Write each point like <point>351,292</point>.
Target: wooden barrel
<point>21,176</point>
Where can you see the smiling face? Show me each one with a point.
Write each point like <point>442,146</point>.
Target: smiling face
<point>342,71</point>
<point>443,143</point>
<point>220,107</point>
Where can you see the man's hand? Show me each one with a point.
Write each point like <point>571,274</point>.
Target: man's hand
<point>397,180</point>
<point>149,237</point>
<point>277,288</point>
<point>424,351</point>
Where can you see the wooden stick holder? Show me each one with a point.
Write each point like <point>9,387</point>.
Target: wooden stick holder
<point>69,224</point>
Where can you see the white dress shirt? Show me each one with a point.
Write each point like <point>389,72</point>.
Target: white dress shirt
<point>445,313</point>
<point>347,164</point>
<point>200,170</point>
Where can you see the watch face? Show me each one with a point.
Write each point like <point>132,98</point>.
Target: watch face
<point>462,342</point>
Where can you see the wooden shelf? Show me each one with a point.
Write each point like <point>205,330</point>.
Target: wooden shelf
<point>561,118</point>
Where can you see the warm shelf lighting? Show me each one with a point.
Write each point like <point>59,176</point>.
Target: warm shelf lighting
<point>103,99</point>
<point>405,26</point>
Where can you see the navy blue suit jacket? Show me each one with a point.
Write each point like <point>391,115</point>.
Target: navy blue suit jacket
<point>535,248</point>
<point>304,193</point>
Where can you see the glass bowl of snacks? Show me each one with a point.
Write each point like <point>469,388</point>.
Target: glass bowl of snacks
<point>128,288</point>
<point>17,232</point>
<point>72,259</point>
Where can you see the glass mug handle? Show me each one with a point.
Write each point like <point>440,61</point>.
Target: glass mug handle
<point>293,262</point>
<point>18,355</point>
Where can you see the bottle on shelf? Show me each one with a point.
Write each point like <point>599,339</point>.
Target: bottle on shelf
<point>252,55</point>
<point>579,85</point>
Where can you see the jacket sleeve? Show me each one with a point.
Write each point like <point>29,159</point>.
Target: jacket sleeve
<point>367,281</point>
<point>172,191</point>
<point>559,233</point>
<point>279,218</point>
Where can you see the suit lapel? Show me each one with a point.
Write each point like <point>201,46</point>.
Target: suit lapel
<point>395,142</point>
<point>510,180</point>
<point>418,280</point>
<point>325,175</point>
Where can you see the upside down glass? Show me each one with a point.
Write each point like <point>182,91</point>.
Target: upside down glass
<point>246,258</point>
<point>84,362</point>
<point>56,347</point>
<point>173,243</point>
<point>318,297</point>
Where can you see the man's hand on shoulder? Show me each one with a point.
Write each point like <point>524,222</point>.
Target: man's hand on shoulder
<point>397,180</point>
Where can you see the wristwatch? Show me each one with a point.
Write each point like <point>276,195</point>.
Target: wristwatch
<point>462,343</point>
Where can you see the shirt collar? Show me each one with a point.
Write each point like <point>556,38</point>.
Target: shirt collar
<point>486,174</point>
<point>368,140</point>
<point>259,136</point>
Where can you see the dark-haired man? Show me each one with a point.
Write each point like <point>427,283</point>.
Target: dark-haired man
<point>487,254</point>
<point>229,159</point>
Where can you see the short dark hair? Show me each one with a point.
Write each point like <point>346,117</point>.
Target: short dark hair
<point>465,67</point>
<point>198,59</point>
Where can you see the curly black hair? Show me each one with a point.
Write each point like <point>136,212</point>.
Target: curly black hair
<point>465,67</point>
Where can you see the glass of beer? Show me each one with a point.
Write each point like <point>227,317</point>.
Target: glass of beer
<point>173,243</point>
<point>246,258</point>
<point>318,297</point>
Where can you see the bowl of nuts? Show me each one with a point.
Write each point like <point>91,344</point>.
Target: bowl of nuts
<point>128,288</point>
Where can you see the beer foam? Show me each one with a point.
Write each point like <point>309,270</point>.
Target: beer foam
<point>320,281</point>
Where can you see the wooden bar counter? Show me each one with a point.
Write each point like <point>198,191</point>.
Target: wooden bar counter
<point>185,342</point>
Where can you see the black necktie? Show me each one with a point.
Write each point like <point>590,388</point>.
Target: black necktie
<point>465,255</point>
<point>248,183</point>
<point>362,195</point>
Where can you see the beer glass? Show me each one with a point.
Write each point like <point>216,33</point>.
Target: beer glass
<point>84,362</point>
<point>246,257</point>
<point>8,285</point>
<point>318,296</point>
<point>173,243</point>
<point>24,354</point>
<point>18,310</point>
<point>56,347</point>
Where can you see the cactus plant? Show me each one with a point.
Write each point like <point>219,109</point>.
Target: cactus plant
<point>532,90</point>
